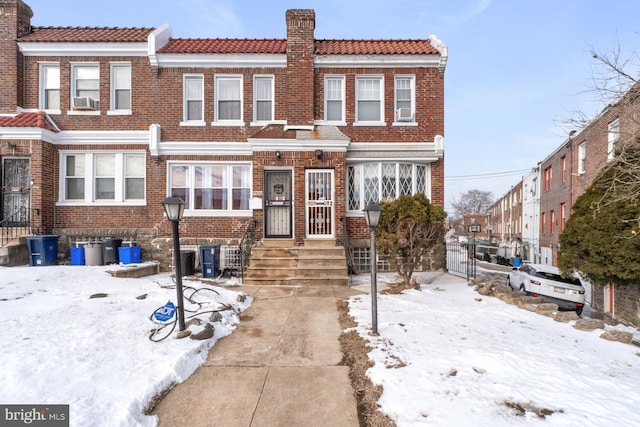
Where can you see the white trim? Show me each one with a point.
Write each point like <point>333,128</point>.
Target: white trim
<point>82,49</point>
<point>381,87</point>
<point>112,88</point>
<point>42,85</point>
<point>199,60</point>
<point>204,148</point>
<point>403,124</point>
<point>227,122</point>
<point>342,79</point>
<point>80,137</point>
<point>378,61</point>
<point>185,119</point>
<point>260,144</point>
<point>272,79</point>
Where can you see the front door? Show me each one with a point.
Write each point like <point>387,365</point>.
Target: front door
<point>277,204</point>
<point>319,203</point>
<point>15,191</point>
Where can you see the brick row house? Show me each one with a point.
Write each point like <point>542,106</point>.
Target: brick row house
<point>554,184</point>
<point>503,221</point>
<point>290,138</point>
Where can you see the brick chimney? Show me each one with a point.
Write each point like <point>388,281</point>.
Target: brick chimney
<point>301,24</point>
<point>15,20</point>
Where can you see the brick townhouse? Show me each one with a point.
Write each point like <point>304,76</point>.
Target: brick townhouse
<point>295,136</point>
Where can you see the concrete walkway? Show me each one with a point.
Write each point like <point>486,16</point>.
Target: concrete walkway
<point>280,367</point>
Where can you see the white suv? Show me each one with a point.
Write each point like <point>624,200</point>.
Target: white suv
<point>547,282</point>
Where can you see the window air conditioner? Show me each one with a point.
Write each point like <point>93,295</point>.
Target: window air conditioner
<point>404,115</point>
<point>85,103</point>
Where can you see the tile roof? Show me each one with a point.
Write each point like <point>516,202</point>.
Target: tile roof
<point>374,47</point>
<point>28,120</point>
<point>87,35</point>
<point>322,47</point>
<point>272,46</point>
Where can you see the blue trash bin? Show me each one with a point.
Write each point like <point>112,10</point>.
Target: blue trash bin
<point>43,250</point>
<point>210,260</point>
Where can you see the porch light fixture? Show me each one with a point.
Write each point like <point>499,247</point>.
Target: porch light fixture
<point>278,155</point>
<point>319,154</point>
<point>372,215</point>
<point>174,208</point>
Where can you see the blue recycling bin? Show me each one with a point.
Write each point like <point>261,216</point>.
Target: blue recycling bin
<point>77,256</point>
<point>43,250</point>
<point>129,254</point>
<point>210,260</point>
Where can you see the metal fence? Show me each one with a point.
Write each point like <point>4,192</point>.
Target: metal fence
<point>460,259</point>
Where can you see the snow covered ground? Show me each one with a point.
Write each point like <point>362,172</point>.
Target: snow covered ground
<point>445,355</point>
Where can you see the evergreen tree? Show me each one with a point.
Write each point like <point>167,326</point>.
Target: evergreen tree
<point>409,228</point>
<point>601,238</point>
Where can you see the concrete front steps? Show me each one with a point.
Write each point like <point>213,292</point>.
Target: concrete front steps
<point>279,262</point>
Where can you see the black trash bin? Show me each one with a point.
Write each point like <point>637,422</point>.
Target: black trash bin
<point>210,260</point>
<point>110,251</point>
<point>188,263</point>
<point>43,250</point>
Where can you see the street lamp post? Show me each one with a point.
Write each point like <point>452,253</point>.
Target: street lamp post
<point>174,208</point>
<point>372,214</point>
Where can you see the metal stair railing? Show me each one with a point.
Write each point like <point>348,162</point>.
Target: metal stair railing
<point>247,242</point>
<point>14,226</point>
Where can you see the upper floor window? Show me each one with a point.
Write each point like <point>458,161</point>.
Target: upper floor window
<point>85,87</point>
<point>49,93</point>
<point>120,87</point>
<point>582,158</point>
<point>108,177</point>
<point>211,186</point>
<point>375,182</point>
<point>563,216</point>
<point>193,98</point>
<point>369,99</point>
<point>334,99</point>
<point>613,137</point>
<point>228,99</point>
<point>548,174</point>
<point>263,98</point>
<point>405,98</point>
<point>563,166</point>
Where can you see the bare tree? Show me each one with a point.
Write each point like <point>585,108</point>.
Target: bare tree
<point>472,202</point>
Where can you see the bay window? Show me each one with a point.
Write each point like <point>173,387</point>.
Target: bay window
<point>376,182</point>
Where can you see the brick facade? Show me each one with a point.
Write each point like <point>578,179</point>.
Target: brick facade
<point>298,139</point>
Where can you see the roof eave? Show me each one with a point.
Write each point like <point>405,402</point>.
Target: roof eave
<point>378,61</point>
<point>83,49</point>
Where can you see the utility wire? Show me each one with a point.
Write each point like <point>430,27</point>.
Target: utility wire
<point>487,175</point>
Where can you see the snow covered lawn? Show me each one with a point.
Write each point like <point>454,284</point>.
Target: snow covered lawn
<point>447,356</point>
<point>62,347</point>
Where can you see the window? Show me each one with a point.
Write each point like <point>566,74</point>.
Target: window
<point>543,223</point>
<point>103,177</point>
<point>228,93</point>
<point>548,172</point>
<point>105,167</point>
<point>404,98</point>
<point>369,104</point>
<point>49,87</point>
<point>563,165</point>
<point>582,158</point>
<point>120,87</point>
<point>85,85</point>
<point>263,98</point>
<point>334,99</point>
<point>563,217</point>
<point>552,218</point>
<point>613,137</point>
<point>193,93</point>
<point>211,186</point>
<point>375,182</point>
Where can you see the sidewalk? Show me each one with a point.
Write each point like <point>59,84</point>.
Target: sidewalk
<point>281,366</point>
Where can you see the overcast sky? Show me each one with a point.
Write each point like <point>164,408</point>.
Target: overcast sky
<point>517,68</point>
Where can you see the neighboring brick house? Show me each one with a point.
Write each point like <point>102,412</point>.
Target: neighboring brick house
<point>504,219</point>
<point>297,134</point>
<point>554,185</point>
